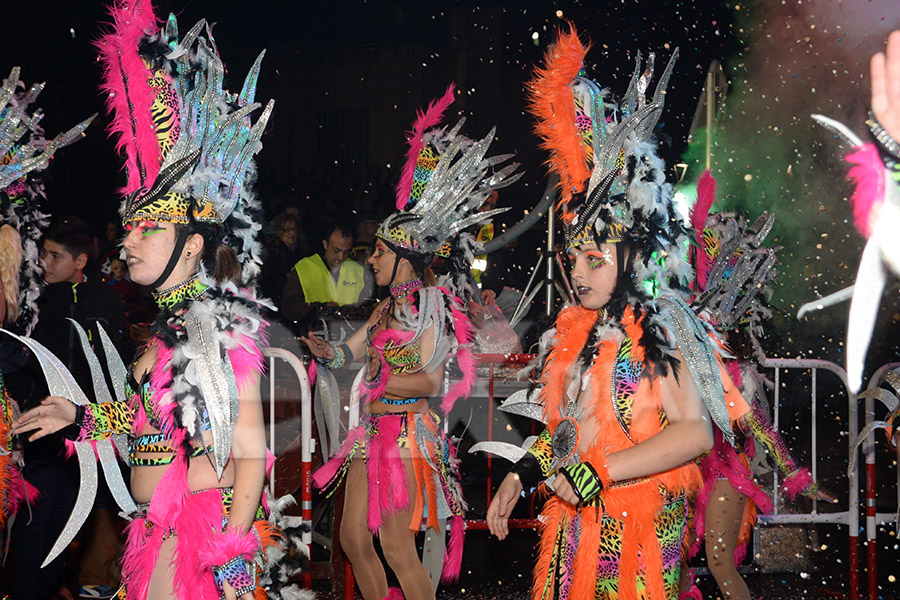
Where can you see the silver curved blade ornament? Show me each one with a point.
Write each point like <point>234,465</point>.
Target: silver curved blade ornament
<point>105,447</point>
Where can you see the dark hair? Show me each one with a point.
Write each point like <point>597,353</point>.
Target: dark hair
<point>73,234</point>
<point>344,229</point>
<point>218,258</point>
<point>285,218</point>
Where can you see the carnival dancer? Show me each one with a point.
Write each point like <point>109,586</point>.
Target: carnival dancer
<point>629,378</point>
<point>192,411</point>
<point>733,272</point>
<point>24,154</point>
<point>399,466</point>
<point>876,205</point>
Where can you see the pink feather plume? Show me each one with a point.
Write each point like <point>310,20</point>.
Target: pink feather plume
<point>462,328</point>
<point>129,105</point>
<point>868,175</point>
<point>327,472</point>
<point>706,197</point>
<point>723,461</point>
<point>798,482</point>
<point>425,120</point>
<point>453,553</point>
<point>386,473</point>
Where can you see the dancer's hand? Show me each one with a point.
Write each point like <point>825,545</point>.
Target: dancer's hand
<point>885,73</point>
<point>53,414</point>
<point>564,490</point>
<point>318,348</point>
<point>502,505</point>
<point>823,495</point>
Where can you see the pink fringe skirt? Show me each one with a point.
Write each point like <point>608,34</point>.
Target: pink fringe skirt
<point>201,513</point>
<point>378,440</point>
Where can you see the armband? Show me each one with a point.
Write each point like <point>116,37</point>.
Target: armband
<point>226,555</point>
<point>234,572</point>
<point>585,481</point>
<point>535,466</point>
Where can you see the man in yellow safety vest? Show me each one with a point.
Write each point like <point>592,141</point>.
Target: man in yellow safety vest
<point>326,278</point>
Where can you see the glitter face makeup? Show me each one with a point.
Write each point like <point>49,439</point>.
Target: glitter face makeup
<point>596,260</point>
<point>145,228</point>
<point>593,284</point>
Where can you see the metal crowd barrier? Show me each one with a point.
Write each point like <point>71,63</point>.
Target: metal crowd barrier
<point>492,361</point>
<point>849,517</point>
<point>874,518</point>
<point>307,443</point>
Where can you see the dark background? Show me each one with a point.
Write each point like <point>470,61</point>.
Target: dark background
<point>348,77</point>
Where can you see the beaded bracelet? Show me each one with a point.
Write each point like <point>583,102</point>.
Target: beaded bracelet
<point>339,359</point>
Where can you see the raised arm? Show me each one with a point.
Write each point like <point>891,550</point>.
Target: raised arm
<point>885,73</point>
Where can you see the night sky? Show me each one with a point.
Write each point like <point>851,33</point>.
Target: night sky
<point>347,78</point>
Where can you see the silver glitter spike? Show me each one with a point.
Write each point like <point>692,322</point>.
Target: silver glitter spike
<point>525,403</point>
<point>211,371</point>
<point>248,92</point>
<point>104,447</point>
<point>61,383</point>
<point>101,392</point>
<point>87,491</point>
<point>838,128</point>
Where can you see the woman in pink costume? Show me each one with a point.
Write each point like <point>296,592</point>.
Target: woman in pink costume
<point>192,412</point>
<point>399,465</point>
<point>731,268</point>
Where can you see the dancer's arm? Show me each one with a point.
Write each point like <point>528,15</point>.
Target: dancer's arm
<point>249,453</point>
<point>688,435</point>
<point>357,342</point>
<point>94,421</point>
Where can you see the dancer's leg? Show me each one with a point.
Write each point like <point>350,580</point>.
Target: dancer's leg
<point>160,586</point>
<point>356,540</point>
<point>723,524</point>
<point>399,546</point>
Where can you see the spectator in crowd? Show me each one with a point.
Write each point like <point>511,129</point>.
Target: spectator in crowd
<point>68,294</point>
<point>365,240</point>
<point>325,279</point>
<point>284,250</point>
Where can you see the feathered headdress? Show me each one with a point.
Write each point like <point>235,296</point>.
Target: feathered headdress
<point>188,143</point>
<point>444,182</point>
<point>733,268</point>
<point>612,184</point>
<point>24,153</point>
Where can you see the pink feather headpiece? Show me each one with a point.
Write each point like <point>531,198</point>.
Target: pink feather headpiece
<point>126,81</point>
<point>421,159</point>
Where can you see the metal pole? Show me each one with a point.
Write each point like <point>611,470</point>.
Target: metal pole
<point>550,241</point>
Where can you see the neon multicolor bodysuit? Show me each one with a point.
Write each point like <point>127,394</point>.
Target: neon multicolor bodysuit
<point>627,542</point>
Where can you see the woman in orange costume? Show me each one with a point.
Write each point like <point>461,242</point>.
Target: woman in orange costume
<point>629,378</point>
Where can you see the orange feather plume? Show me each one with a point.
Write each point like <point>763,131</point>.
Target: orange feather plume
<point>552,102</point>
